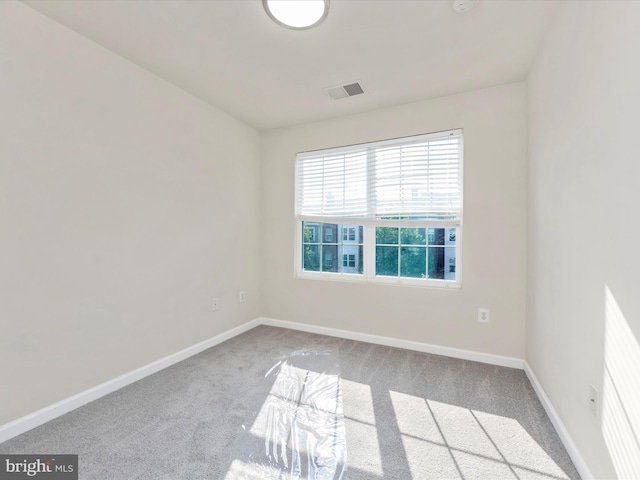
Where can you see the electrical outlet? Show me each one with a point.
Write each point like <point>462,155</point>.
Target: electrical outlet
<point>241,296</point>
<point>215,305</point>
<point>483,315</point>
<point>594,400</point>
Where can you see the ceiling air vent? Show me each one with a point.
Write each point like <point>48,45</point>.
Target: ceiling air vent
<point>344,91</point>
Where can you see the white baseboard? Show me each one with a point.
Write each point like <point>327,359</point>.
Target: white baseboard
<point>563,433</point>
<point>46,414</point>
<point>398,343</point>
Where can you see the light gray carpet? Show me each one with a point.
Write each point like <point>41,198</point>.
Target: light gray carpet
<point>282,404</point>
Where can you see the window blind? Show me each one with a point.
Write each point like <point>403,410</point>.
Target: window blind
<point>409,178</point>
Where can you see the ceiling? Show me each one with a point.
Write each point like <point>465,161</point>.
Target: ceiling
<point>230,54</point>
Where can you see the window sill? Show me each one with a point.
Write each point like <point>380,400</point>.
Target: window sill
<point>380,280</point>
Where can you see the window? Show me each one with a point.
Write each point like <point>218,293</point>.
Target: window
<point>329,232</point>
<point>391,210</point>
<point>349,234</point>
<point>348,260</point>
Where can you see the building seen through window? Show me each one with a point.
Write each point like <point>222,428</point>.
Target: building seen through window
<point>400,252</point>
<point>339,251</point>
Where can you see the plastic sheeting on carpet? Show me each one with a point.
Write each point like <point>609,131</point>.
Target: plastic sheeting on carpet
<point>300,426</point>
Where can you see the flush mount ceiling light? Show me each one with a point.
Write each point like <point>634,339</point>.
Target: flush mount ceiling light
<point>297,14</point>
<point>463,6</point>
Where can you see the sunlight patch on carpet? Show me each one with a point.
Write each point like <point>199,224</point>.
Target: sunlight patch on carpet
<point>443,440</point>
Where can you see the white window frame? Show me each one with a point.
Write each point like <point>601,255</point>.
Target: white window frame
<point>369,245</point>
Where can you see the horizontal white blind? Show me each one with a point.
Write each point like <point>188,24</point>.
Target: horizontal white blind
<point>333,184</point>
<point>409,178</point>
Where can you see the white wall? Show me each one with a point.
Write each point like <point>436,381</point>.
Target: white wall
<point>583,320</point>
<point>494,237</point>
<point>126,205</point>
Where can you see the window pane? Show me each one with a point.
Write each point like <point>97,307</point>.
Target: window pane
<point>310,232</point>
<point>436,236</point>
<point>329,233</point>
<point>387,261</point>
<point>436,262</point>
<point>450,236</point>
<point>413,236</point>
<point>449,263</point>
<point>413,262</point>
<point>311,258</point>
<point>330,247</point>
<point>330,259</point>
<point>386,235</point>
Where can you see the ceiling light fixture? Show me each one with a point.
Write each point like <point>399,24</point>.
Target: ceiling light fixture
<point>463,6</point>
<point>297,14</point>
